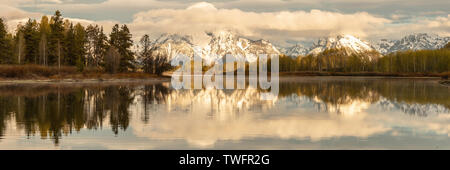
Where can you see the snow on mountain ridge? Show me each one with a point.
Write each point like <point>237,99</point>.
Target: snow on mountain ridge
<point>349,43</point>
<point>295,50</point>
<point>417,41</point>
<point>221,44</point>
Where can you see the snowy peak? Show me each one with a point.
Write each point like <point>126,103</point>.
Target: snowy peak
<point>170,45</point>
<point>418,41</point>
<point>173,38</point>
<point>224,42</point>
<point>295,51</point>
<point>221,43</point>
<point>349,43</point>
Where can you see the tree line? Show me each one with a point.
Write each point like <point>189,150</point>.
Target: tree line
<point>336,60</point>
<point>57,42</point>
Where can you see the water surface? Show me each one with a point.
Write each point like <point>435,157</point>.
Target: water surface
<point>309,113</point>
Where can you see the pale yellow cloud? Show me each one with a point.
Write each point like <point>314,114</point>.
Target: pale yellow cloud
<point>201,17</point>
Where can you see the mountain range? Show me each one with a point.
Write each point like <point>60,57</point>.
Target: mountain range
<point>220,44</point>
<point>225,42</point>
<point>418,41</point>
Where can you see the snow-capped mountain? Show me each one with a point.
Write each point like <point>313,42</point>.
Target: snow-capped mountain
<point>171,45</point>
<point>419,41</point>
<point>348,43</point>
<point>295,50</point>
<point>220,44</point>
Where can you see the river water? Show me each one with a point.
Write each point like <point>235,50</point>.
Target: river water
<point>308,113</point>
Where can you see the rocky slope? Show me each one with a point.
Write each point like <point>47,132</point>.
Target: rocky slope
<point>221,43</point>
<point>419,41</point>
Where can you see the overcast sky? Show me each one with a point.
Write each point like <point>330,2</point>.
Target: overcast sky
<point>280,21</point>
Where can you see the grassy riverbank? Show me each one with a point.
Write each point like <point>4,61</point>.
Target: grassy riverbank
<point>36,72</point>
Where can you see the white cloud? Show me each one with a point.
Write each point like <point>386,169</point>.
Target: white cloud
<point>281,24</point>
<point>274,26</point>
<point>439,25</point>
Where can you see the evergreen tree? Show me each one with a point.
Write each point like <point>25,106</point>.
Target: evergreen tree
<point>31,36</point>
<point>97,43</point>
<point>5,44</point>
<point>121,40</point>
<point>80,46</point>
<point>70,57</point>
<point>145,54</point>
<point>56,39</point>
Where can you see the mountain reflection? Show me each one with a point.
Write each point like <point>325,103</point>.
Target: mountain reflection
<point>311,108</point>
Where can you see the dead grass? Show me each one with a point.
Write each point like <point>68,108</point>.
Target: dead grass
<point>33,71</point>
<point>37,72</point>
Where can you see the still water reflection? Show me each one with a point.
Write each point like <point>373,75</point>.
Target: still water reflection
<point>309,113</point>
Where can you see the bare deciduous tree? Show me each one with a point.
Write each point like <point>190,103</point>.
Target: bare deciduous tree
<point>112,60</point>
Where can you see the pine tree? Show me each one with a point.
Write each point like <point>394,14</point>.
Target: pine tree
<point>97,44</point>
<point>5,44</point>
<point>121,40</point>
<point>80,46</point>
<point>145,54</point>
<point>31,36</point>
<point>70,57</point>
<point>56,39</point>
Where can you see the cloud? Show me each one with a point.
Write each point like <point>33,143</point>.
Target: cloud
<point>438,25</point>
<point>14,16</point>
<point>274,26</point>
<point>200,130</point>
<point>279,21</point>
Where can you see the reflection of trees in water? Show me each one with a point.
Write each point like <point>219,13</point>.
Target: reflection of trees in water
<point>153,94</point>
<point>58,112</point>
<point>5,113</point>
<point>333,92</point>
<point>415,97</point>
<point>414,92</point>
<point>330,95</point>
<point>117,101</point>
<point>53,111</point>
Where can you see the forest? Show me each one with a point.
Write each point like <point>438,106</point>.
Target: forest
<point>420,61</point>
<point>56,45</point>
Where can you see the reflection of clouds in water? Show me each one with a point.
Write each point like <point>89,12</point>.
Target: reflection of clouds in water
<point>198,129</point>
<point>155,116</point>
<point>217,115</point>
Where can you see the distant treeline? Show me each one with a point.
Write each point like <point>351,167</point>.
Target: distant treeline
<point>335,60</point>
<point>59,42</point>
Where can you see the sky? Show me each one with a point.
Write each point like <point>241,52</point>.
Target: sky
<point>283,22</point>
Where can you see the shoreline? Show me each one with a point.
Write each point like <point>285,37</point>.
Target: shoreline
<point>161,79</point>
<point>362,74</point>
<point>84,81</point>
